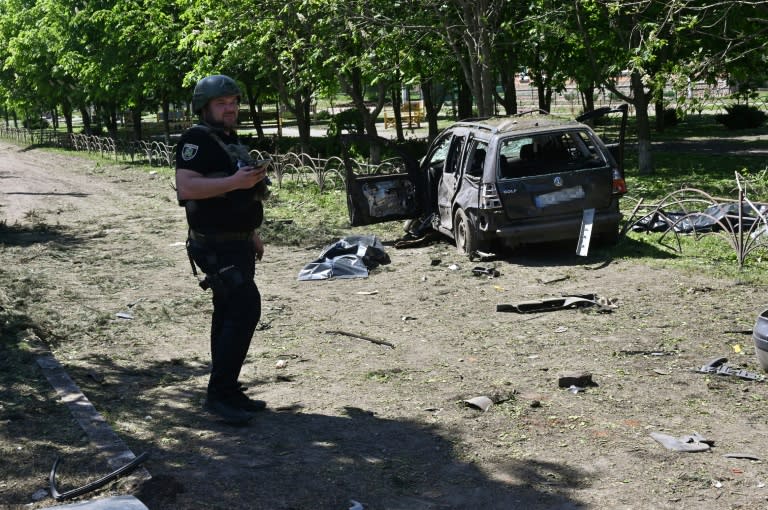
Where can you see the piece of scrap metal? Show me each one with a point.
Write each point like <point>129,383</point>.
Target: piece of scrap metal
<point>691,443</point>
<point>487,271</point>
<point>482,403</point>
<point>551,304</point>
<point>718,366</point>
<point>587,220</point>
<point>95,484</point>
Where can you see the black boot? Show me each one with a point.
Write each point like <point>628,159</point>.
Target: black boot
<point>227,409</point>
<point>242,401</point>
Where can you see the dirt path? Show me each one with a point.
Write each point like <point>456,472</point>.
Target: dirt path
<point>352,420</point>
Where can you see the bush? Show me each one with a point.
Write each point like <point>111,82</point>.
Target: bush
<point>670,117</point>
<point>741,116</point>
<point>323,115</point>
<point>350,120</point>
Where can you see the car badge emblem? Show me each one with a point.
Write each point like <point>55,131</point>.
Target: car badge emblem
<point>558,182</point>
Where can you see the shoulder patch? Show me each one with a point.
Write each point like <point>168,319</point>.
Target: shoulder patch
<point>189,151</point>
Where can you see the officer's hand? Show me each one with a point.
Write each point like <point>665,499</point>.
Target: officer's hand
<point>248,176</point>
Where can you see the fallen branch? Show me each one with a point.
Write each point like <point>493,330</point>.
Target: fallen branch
<point>361,337</point>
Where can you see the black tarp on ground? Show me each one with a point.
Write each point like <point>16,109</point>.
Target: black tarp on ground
<point>350,257</point>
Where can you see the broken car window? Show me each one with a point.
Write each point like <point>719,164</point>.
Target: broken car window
<point>454,155</point>
<point>437,159</point>
<point>477,159</point>
<point>548,153</point>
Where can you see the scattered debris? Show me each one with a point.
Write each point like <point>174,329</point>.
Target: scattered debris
<point>406,318</point>
<point>561,303</point>
<point>718,366</point>
<point>553,280</point>
<point>95,484</point>
<point>362,337</point>
<point>482,403</point>
<point>482,256</point>
<point>581,379</point>
<point>281,363</point>
<point>134,303</point>
<point>646,353</point>
<point>356,505</point>
<point>747,456</point>
<point>454,267</point>
<point>124,315</point>
<point>576,389</point>
<point>435,262</point>
<point>692,443</point>
<point>490,272</point>
<point>367,292</point>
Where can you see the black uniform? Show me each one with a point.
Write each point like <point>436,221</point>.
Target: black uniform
<point>220,233</point>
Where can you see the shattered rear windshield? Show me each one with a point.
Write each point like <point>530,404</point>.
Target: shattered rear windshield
<point>548,153</point>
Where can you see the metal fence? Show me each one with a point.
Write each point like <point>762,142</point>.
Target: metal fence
<point>300,168</point>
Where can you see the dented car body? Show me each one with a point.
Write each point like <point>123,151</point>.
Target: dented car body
<point>502,182</point>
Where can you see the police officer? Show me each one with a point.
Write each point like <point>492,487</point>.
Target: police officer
<point>221,194</point>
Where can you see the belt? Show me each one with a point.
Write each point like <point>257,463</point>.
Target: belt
<point>220,236</point>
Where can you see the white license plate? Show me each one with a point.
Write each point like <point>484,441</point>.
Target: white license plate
<point>559,196</point>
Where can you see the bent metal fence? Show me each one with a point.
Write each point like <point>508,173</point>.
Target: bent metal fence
<point>741,222</point>
<point>299,168</point>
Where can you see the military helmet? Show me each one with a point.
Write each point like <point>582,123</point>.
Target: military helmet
<point>211,87</point>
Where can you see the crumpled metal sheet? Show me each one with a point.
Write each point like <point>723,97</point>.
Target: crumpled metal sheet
<point>350,257</point>
<point>713,218</point>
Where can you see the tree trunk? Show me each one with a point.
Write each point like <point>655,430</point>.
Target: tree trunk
<point>352,83</point>
<point>659,108</point>
<point>302,105</point>
<point>587,93</point>
<point>397,112</point>
<point>86,116</point>
<point>641,101</point>
<point>166,107</point>
<point>136,118</point>
<point>66,109</point>
<point>509,99</point>
<point>464,100</point>
<point>254,112</point>
<point>431,107</point>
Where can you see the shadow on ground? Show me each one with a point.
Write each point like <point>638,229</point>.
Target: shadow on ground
<point>25,236</point>
<point>289,459</point>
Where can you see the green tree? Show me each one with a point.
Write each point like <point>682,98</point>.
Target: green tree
<point>470,29</point>
<point>656,42</point>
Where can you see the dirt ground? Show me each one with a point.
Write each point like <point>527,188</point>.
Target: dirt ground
<point>351,420</point>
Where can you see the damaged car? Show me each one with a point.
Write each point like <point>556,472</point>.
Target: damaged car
<point>501,182</point>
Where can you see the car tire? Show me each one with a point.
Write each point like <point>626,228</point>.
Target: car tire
<point>464,233</point>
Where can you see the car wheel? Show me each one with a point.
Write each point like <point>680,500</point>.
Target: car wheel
<point>464,234</point>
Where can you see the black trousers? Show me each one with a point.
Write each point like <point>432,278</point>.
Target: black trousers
<point>229,267</point>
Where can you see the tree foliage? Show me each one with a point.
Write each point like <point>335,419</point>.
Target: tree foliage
<point>112,57</point>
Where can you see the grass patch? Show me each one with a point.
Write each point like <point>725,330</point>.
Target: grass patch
<point>299,214</point>
<point>694,159</point>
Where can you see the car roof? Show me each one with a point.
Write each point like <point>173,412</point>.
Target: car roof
<point>516,123</point>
